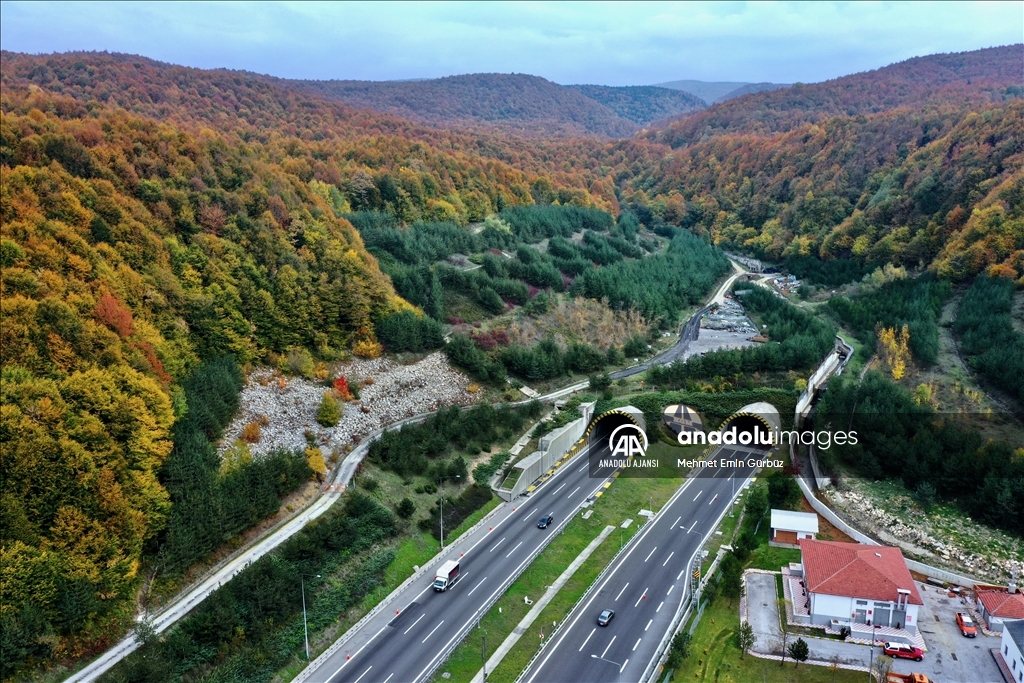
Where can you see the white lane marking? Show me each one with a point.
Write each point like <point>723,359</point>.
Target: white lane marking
<point>623,665</point>
<point>675,522</point>
<point>609,646</point>
<point>670,589</point>
<point>668,558</point>
<point>363,674</point>
<point>650,553</point>
<point>559,489</point>
<point>713,499</point>
<point>642,596</point>
<point>432,632</point>
<point>621,592</point>
<point>573,491</point>
<point>502,541</point>
<point>480,583</point>
<point>637,643</point>
<point>414,623</point>
<point>389,677</point>
<point>587,640</point>
<point>514,549</point>
<point>698,495</point>
<point>648,624</point>
<point>353,656</point>
<point>583,468</point>
<point>659,607</point>
<point>680,573</point>
<point>687,531</point>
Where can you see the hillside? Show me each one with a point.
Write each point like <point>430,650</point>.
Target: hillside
<point>967,78</point>
<point>515,103</point>
<point>719,91</point>
<point>642,104</point>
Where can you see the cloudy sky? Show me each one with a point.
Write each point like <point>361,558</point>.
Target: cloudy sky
<point>605,43</point>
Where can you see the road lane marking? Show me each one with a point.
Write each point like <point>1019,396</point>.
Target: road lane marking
<point>389,677</point>
<point>650,553</point>
<point>514,549</point>
<point>558,489</point>
<point>587,640</point>
<point>583,468</point>
<point>414,623</point>
<point>687,531</point>
<point>621,592</point>
<point>670,589</point>
<point>573,491</point>
<point>676,522</point>
<point>609,646</point>
<point>432,632</point>
<point>356,653</point>
<point>648,624</point>
<point>667,559</point>
<point>637,643</point>
<point>502,541</point>
<point>713,499</point>
<point>697,496</point>
<point>642,596</point>
<point>659,607</point>
<point>680,573</point>
<point>478,584</point>
<point>363,674</point>
<point>623,665</point>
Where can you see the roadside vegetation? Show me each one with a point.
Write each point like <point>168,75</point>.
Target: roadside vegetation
<point>994,348</point>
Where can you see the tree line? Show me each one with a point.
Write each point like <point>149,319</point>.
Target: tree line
<point>994,348</point>
<point>931,454</point>
<point>250,627</point>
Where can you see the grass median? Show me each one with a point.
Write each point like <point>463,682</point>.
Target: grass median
<point>623,500</point>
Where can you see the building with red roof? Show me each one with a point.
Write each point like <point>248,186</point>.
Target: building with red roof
<point>860,584</point>
<point>998,606</point>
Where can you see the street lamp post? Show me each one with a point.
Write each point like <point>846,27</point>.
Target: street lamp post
<point>618,667</point>
<point>305,627</point>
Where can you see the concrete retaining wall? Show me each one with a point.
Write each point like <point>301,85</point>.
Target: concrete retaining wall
<point>559,445</point>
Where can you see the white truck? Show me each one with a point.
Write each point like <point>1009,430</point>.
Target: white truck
<point>447,575</point>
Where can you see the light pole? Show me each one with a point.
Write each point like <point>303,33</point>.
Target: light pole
<point>618,667</point>
<point>440,487</point>
<point>305,627</point>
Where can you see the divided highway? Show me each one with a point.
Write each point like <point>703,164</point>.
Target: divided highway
<point>409,646</point>
<point>646,585</point>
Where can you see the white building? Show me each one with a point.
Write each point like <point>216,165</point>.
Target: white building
<point>1011,649</point>
<point>789,528</point>
<point>850,583</point>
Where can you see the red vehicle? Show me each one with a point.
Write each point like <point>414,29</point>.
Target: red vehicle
<point>966,625</point>
<point>901,651</point>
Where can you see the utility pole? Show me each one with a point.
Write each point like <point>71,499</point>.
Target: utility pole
<point>305,627</point>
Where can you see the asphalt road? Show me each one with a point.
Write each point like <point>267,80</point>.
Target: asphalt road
<point>645,587</point>
<point>407,647</point>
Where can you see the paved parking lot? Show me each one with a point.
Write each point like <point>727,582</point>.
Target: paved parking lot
<point>951,658</point>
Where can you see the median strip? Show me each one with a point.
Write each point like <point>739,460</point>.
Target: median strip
<point>539,606</point>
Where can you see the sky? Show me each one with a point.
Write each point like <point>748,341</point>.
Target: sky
<point>602,43</point>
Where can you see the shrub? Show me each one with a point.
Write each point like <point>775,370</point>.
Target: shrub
<point>250,433</point>
<point>405,508</point>
<point>367,348</point>
<point>329,413</point>
<point>315,460</point>
<point>299,362</point>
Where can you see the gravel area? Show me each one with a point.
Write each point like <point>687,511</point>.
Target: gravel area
<point>290,404</point>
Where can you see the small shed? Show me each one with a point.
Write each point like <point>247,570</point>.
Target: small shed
<point>789,528</point>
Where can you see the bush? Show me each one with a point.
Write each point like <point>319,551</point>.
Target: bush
<point>405,508</point>
<point>329,413</point>
<point>483,472</point>
<point>250,433</point>
<point>456,510</point>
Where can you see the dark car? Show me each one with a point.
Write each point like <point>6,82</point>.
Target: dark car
<point>901,651</point>
<point>545,521</point>
<point>605,617</point>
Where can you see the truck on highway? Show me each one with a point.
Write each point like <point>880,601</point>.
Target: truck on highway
<point>447,575</point>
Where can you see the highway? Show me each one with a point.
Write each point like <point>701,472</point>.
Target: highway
<point>645,587</point>
<point>409,646</point>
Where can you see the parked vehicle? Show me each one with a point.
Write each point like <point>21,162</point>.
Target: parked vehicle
<point>901,651</point>
<point>966,625</point>
<point>605,617</point>
<point>908,678</point>
<point>545,521</point>
<point>447,575</point>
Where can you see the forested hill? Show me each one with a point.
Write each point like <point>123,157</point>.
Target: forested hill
<point>967,78</point>
<point>642,104</point>
<point>517,103</point>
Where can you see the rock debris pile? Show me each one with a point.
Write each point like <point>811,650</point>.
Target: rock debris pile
<point>388,390</point>
<point>729,316</point>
